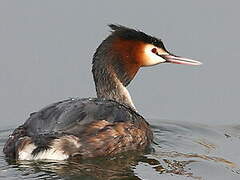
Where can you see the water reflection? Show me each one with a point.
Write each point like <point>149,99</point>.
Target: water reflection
<point>97,168</point>
<point>185,151</point>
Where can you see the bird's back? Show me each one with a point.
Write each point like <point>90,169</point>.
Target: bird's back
<point>85,127</point>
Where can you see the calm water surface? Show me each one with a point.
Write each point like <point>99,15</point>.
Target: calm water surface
<point>180,151</point>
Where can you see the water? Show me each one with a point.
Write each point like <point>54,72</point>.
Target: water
<point>181,151</point>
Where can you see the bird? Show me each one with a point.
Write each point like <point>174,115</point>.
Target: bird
<point>102,126</point>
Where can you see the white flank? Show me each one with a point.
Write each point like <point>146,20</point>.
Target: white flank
<point>54,152</point>
<point>25,154</point>
<point>51,154</point>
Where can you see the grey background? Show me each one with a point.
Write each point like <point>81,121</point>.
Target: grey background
<point>46,49</point>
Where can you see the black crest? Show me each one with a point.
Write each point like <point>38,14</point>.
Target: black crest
<point>132,34</point>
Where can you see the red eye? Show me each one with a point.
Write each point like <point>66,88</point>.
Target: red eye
<point>154,50</point>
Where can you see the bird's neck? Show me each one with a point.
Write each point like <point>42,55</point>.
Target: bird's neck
<point>113,69</point>
<point>109,86</point>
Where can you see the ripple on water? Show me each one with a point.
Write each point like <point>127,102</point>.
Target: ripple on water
<point>181,151</point>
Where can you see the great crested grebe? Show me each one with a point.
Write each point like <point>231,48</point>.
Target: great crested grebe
<point>106,125</point>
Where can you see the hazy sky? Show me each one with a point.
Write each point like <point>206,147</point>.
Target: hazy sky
<point>46,49</point>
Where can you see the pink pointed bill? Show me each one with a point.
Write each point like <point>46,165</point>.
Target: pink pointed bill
<point>180,60</point>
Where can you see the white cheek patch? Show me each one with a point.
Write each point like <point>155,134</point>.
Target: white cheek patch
<point>151,58</point>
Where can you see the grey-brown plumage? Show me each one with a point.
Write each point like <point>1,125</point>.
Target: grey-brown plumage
<point>101,126</point>
<point>87,127</point>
